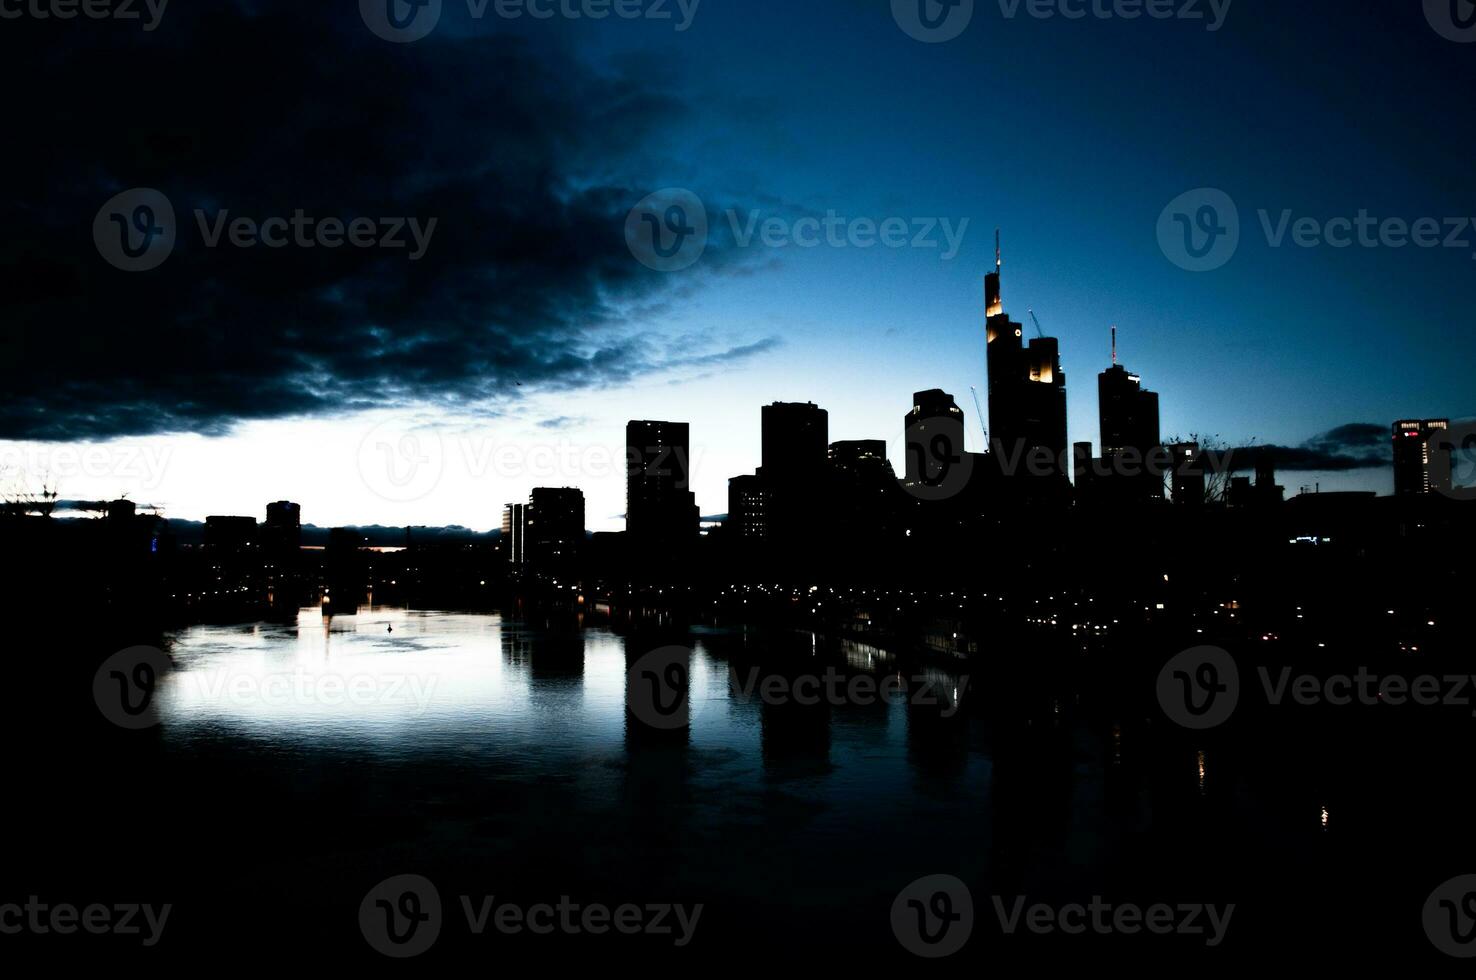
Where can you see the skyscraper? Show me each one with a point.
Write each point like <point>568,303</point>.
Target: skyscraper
<point>795,440</point>
<point>1413,455</point>
<point>660,507</point>
<point>1133,461</point>
<point>513,530</point>
<point>1027,388</point>
<point>554,532</point>
<point>748,508</point>
<point>934,437</point>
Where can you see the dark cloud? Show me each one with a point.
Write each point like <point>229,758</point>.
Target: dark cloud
<point>1357,446</point>
<point>526,159</point>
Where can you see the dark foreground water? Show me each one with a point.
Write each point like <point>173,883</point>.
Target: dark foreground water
<point>295,767</point>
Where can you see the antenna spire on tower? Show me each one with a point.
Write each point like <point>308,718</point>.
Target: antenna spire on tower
<point>1114,344</point>
<point>998,260</point>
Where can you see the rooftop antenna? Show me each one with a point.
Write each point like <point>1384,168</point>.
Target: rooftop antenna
<point>1114,345</point>
<point>998,258</point>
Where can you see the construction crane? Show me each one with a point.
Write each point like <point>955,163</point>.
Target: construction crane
<point>1036,320</point>
<point>980,410</point>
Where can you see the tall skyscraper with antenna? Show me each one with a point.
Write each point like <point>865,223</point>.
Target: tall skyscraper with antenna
<point>1027,388</point>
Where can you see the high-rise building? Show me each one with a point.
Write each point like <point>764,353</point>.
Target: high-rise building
<point>282,534</point>
<point>934,436</point>
<point>795,440</point>
<point>1188,473</point>
<point>553,525</point>
<point>1132,462</point>
<point>1413,455</point>
<point>1027,388</point>
<point>1129,413</point>
<point>859,457</point>
<point>513,530</point>
<point>660,507</point>
<point>749,505</point>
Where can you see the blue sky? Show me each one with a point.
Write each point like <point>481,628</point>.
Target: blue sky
<point>1071,136</point>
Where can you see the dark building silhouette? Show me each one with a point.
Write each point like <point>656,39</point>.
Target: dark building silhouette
<point>859,456</point>
<point>1027,390</point>
<point>1132,464</point>
<point>749,505</point>
<point>281,536</point>
<point>1413,457</point>
<point>934,437</point>
<point>554,534</point>
<point>1188,484</point>
<point>660,507</point>
<point>795,440</point>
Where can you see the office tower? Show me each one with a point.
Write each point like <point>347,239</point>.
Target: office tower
<point>1027,388</point>
<point>282,534</point>
<point>513,534</point>
<point>935,437</point>
<point>660,507</point>
<point>1413,455</point>
<point>860,457</point>
<point>554,533</point>
<point>1131,467</point>
<point>1188,473</point>
<point>1129,413</point>
<point>749,504</point>
<point>795,437</point>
